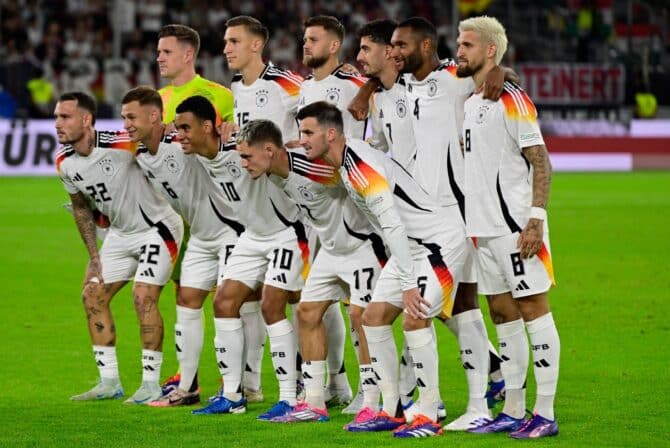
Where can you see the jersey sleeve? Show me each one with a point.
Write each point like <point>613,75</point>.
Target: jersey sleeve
<point>520,117</point>
<point>377,138</point>
<point>224,104</point>
<point>371,184</point>
<point>289,89</point>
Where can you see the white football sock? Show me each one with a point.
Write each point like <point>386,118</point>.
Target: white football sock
<point>514,353</point>
<point>384,356</point>
<point>282,346</point>
<point>546,347</point>
<point>335,334</point>
<point>229,346</point>
<point>108,366</point>
<point>368,383</point>
<point>473,343</point>
<point>188,337</point>
<point>423,349</point>
<point>151,366</point>
<point>314,377</point>
<point>254,338</point>
<point>407,381</point>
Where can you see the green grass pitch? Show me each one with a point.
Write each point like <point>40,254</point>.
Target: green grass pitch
<point>610,240</point>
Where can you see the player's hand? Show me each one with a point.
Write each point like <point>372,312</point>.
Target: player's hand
<point>359,108</point>
<point>415,305</point>
<point>226,130</point>
<point>493,84</point>
<point>346,67</point>
<point>292,144</point>
<point>93,273</point>
<point>530,240</point>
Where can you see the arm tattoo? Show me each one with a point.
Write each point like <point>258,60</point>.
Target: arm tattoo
<point>539,159</point>
<point>83,216</point>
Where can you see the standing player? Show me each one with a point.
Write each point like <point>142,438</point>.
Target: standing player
<point>261,91</point>
<point>507,181</point>
<point>272,251</point>
<point>141,244</point>
<point>185,184</point>
<point>435,96</point>
<point>322,41</point>
<point>178,47</point>
<point>427,244</point>
<point>347,265</point>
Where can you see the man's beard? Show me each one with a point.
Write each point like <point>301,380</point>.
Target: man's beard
<point>412,63</point>
<point>315,61</point>
<point>465,71</point>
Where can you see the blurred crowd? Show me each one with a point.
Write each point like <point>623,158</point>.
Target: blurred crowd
<point>105,47</point>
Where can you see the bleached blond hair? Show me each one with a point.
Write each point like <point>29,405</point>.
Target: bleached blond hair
<point>490,30</point>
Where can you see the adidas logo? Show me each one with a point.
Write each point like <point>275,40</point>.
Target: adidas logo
<point>369,382</point>
<point>542,363</point>
<point>281,278</point>
<point>77,177</point>
<point>100,363</point>
<point>222,365</point>
<point>420,383</point>
<point>280,371</point>
<point>468,366</point>
<point>148,273</point>
<point>148,368</point>
<point>150,175</point>
<point>522,286</point>
<point>178,348</point>
<point>306,375</point>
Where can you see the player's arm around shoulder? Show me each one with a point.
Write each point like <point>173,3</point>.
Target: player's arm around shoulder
<point>530,240</point>
<point>83,217</point>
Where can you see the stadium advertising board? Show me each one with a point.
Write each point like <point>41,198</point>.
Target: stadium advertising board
<point>574,84</point>
<point>29,147</point>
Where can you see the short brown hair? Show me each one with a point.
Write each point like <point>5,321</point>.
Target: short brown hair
<point>145,95</point>
<point>328,23</point>
<point>260,131</point>
<point>84,101</point>
<point>252,25</point>
<point>184,34</point>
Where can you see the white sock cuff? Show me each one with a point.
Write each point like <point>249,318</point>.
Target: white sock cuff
<point>509,329</point>
<point>105,349</point>
<point>317,367</point>
<point>539,324</point>
<point>184,313</point>
<point>469,316</point>
<point>157,356</point>
<point>280,328</point>
<point>418,338</point>
<point>378,334</point>
<point>250,307</point>
<point>452,324</point>
<point>227,323</point>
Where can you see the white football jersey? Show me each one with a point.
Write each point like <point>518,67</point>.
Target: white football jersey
<point>392,128</point>
<point>273,96</point>
<point>261,206</point>
<point>395,204</point>
<point>111,178</point>
<point>185,184</point>
<point>316,187</point>
<point>436,110</point>
<point>498,178</point>
<point>338,89</point>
